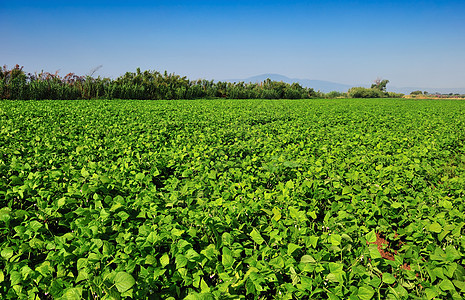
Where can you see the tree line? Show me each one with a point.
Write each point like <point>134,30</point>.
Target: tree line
<point>16,84</point>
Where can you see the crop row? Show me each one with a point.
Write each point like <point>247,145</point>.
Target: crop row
<point>307,199</point>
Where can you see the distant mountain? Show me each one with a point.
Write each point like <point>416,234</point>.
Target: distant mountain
<point>328,86</point>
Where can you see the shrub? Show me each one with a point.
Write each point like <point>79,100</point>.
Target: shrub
<point>336,94</point>
<point>291,93</point>
<point>361,92</point>
<point>395,95</point>
<point>237,92</point>
<point>269,94</point>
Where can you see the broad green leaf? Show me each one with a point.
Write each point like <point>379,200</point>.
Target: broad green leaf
<point>209,252</point>
<point>313,215</point>
<point>400,291</point>
<point>212,174</point>
<point>227,259</point>
<point>375,281</point>
<point>151,260</point>
<point>35,226</point>
<point>313,241</point>
<point>250,287</point>
<point>450,270</point>
<point>342,214</point>
<point>5,214</point>
<point>346,190</point>
<point>291,248</point>
<point>430,293</point>
<point>192,255</point>
<point>307,259</point>
<point>335,239</point>
<point>204,286</point>
<point>371,236</point>
<point>177,232</point>
<point>435,227</point>
<point>447,204</point>
<point>335,267</point>
<point>294,276</point>
<point>104,214</point>
<point>438,254</point>
<point>276,214</point>
<point>15,278</point>
<point>116,206</point>
<point>61,202</point>
<point>164,260</point>
<point>123,215</point>
<point>446,285</point>
<point>306,283</point>
<point>277,262</point>
<point>290,185</point>
<point>82,275</point>
<point>331,277</point>
<point>123,281</point>
<point>452,254</point>
<point>72,294</point>
<point>227,238</point>
<point>374,252</point>
<point>256,237</point>
<point>458,283</point>
<point>81,263</point>
<point>45,268</point>
<point>158,272</point>
<point>84,172</point>
<point>439,272</point>
<point>7,253</point>
<point>388,278</point>
<point>181,261</point>
<point>104,179</point>
<point>396,205</point>
<point>366,292</point>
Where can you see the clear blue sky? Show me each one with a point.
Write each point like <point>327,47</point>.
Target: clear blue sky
<point>411,43</point>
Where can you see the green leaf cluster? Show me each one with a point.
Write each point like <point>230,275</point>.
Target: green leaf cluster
<point>245,199</point>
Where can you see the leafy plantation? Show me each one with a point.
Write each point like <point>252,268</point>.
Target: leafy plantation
<point>291,199</point>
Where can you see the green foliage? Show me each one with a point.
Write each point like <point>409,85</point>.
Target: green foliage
<point>416,93</point>
<point>294,93</point>
<point>394,95</point>
<point>361,92</point>
<point>380,84</point>
<point>335,94</point>
<point>377,90</point>
<point>16,85</point>
<point>269,94</point>
<point>232,199</point>
<point>238,91</point>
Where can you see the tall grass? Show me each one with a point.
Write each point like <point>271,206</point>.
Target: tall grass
<point>15,84</point>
